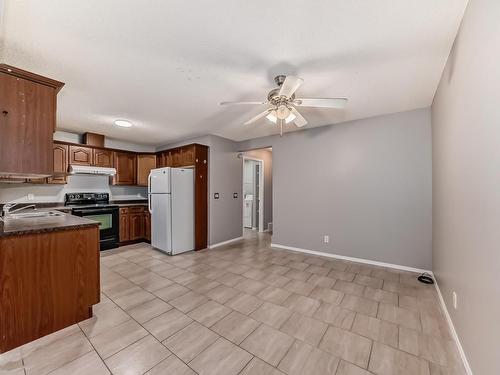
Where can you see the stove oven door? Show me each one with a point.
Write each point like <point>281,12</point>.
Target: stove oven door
<point>108,219</point>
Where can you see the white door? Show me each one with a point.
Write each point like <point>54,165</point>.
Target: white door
<point>161,222</point>
<point>159,181</point>
<point>182,182</point>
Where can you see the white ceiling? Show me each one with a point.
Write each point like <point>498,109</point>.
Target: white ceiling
<point>165,65</point>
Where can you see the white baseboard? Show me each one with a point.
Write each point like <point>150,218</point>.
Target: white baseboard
<point>398,267</point>
<point>225,242</point>
<point>351,259</point>
<point>468,369</point>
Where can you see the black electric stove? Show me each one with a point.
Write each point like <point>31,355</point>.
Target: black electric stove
<point>95,206</point>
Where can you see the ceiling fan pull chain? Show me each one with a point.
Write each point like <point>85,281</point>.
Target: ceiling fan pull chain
<point>281,128</point>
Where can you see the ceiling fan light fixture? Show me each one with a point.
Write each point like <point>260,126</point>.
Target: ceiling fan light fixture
<point>282,112</point>
<point>272,117</point>
<point>290,118</point>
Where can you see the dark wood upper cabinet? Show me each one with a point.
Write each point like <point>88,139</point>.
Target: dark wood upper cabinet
<point>60,155</point>
<point>188,155</point>
<point>27,122</point>
<point>80,155</point>
<point>177,159</point>
<point>125,164</point>
<point>102,157</point>
<point>145,163</point>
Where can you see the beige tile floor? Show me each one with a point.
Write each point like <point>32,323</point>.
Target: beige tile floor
<point>248,309</point>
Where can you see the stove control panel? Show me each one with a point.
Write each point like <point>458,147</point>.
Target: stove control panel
<point>86,198</point>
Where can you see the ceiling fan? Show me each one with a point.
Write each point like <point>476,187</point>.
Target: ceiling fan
<point>282,103</point>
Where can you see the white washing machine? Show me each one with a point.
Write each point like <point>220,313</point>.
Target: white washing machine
<point>247,211</point>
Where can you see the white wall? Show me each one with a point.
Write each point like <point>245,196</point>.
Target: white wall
<point>366,184</point>
<point>466,185</point>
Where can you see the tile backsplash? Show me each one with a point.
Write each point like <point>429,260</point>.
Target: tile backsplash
<point>55,193</point>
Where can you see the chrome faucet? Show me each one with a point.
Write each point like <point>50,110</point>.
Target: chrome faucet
<point>7,209</point>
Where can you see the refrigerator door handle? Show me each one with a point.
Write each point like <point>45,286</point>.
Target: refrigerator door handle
<point>149,194</point>
<point>149,183</point>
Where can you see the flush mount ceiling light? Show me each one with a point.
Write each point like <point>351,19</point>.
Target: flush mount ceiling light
<point>123,123</point>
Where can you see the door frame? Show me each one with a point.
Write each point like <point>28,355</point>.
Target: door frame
<point>261,189</point>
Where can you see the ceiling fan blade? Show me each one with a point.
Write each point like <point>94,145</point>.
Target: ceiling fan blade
<point>241,103</point>
<point>290,85</point>
<point>321,102</point>
<point>259,116</point>
<point>300,121</point>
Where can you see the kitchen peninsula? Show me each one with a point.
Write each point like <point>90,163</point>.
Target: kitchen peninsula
<point>49,275</point>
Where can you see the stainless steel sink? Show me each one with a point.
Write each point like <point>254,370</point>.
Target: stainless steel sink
<point>34,214</point>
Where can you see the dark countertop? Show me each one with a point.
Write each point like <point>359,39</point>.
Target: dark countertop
<point>16,227</point>
<point>59,206</point>
<point>131,204</point>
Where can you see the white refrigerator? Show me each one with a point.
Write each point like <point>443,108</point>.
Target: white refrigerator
<point>171,204</point>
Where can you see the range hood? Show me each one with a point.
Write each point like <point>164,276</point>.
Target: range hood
<point>83,169</point>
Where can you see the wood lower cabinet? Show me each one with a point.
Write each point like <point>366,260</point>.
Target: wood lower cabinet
<point>80,155</point>
<point>124,225</point>
<point>102,158</point>
<point>49,281</point>
<point>145,162</point>
<point>125,164</point>
<point>147,226</point>
<point>135,224</point>
<point>27,122</point>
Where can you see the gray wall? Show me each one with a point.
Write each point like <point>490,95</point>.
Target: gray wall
<point>466,185</point>
<point>267,156</point>
<point>225,178</point>
<point>366,184</point>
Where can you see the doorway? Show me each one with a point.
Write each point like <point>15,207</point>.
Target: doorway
<point>257,190</point>
<point>253,193</point>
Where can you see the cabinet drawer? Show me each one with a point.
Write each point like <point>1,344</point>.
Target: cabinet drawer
<point>124,210</point>
<point>137,209</point>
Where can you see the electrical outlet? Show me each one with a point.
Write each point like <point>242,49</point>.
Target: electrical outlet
<point>31,197</point>
<point>326,239</point>
<point>455,301</point>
